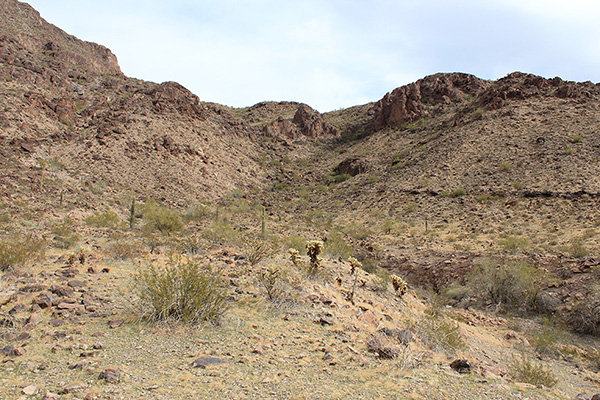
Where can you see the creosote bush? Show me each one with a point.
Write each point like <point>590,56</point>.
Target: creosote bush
<point>187,291</point>
<point>16,252</point>
<point>256,250</point>
<point>108,219</point>
<point>161,219</point>
<point>524,370</point>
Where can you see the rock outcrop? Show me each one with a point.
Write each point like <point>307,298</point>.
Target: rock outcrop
<point>307,122</point>
<point>408,103</point>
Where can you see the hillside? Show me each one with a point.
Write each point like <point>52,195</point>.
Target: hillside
<point>456,225</point>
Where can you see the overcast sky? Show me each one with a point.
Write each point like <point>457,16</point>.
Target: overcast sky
<point>333,53</point>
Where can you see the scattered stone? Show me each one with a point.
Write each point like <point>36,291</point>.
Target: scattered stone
<point>33,288</point>
<point>30,390</point>
<point>325,321</point>
<point>77,284</point>
<point>79,364</point>
<point>43,300</point>
<point>12,351</point>
<point>110,375</point>
<point>380,344</point>
<point>258,349</point>
<point>6,296</point>
<point>369,317</point>
<point>98,346</point>
<point>402,336</point>
<point>115,323</point>
<point>596,396</point>
<point>92,270</point>
<point>62,291</point>
<point>17,309</point>
<point>105,270</point>
<point>51,396</point>
<point>461,366</point>
<point>24,336</point>
<point>87,354</point>
<point>205,361</point>
<point>57,322</point>
<point>42,367</point>
<point>74,387</point>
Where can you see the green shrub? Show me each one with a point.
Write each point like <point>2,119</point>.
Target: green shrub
<point>64,234</point>
<point>458,193</point>
<point>514,243</point>
<point>336,246</point>
<point>122,249</point>
<point>256,250</point>
<point>189,292</point>
<point>16,252</point>
<point>295,242</point>
<point>437,332</point>
<point>108,219</point>
<point>221,233</point>
<point>512,284</point>
<point>197,213</point>
<point>161,219</point>
<point>524,370</point>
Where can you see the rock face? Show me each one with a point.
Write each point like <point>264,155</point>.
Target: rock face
<point>407,103</point>
<point>307,122</point>
<point>52,51</point>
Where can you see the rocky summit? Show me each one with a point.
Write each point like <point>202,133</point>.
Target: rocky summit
<point>439,243</point>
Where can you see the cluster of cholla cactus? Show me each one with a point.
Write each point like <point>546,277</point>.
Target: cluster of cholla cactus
<point>313,249</point>
<point>399,284</point>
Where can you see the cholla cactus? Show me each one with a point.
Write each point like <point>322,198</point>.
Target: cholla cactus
<point>294,254</point>
<point>399,284</point>
<point>354,264</point>
<point>313,249</point>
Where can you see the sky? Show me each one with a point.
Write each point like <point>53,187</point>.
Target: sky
<point>332,54</point>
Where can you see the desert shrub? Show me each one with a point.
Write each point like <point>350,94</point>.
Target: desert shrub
<point>108,219</point>
<point>458,193</point>
<point>578,249</point>
<point>16,252</point>
<point>358,231</point>
<point>161,219</point>
<point>513,243</point>
<point>313,249</point>
<point>513,284</point>
<point>277,283</point>
<point>524,370</point>
<point>64,234</point>
<point>257,249</point>
<point>197,213</point>
<point>336,246</point>
<point>123,249</point>
<point>221,233</point>
<point>190,245</point>
<point>295,242</point>
<point>585,315</point>
<point>187,291</point>
<point>382,280</point>
<point>438,332</point>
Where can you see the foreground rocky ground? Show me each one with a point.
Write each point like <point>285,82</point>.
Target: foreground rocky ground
<point>71,329</point>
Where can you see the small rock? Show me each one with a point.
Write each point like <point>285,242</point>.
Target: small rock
<point>30,390</point>
<point>92,270</point>
<point>57,322</point>
<point>98,346</point>
<point>43,300</point>
<point>110,375</point>
<point>33,288</point>
<point>325,321</point>
<point>115,323</point>
<point>17,309</point>
<point>79,364</point>
<point>205,361</point>
<point>461,366</point>
<point>88,354</point>
<point>24,336</point>
<point>12,351</point>
<point>596,396</point>
<point>77,284</point>
<point>51,396</point>
<point>74,387</point>
<point>62,291</point>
